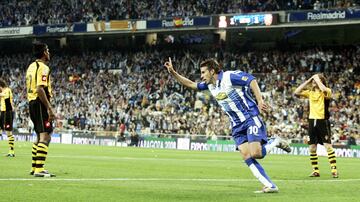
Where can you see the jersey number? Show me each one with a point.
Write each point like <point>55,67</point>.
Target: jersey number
<point>253,130</point>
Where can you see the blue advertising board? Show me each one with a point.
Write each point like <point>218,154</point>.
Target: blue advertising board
<point>324,15</point>
<point>60,28</point>
<point>178,22</point>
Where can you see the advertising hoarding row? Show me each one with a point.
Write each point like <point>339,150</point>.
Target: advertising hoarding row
<point>60,28</point>
<point>16,31</point>
<point>324,15</point>
<point>223,21</point>
<point>181,144</point>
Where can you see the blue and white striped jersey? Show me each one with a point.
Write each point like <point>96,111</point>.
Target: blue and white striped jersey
<point>232,92</point>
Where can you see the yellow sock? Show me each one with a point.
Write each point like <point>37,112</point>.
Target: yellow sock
<point>41,153</point>
<point>314,161</point>
<point>33,154</point>
<point>11,141</point>
<point>332,160</point>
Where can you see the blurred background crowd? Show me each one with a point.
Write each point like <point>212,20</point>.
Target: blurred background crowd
<point>125,91</point>
<point>33,12</point>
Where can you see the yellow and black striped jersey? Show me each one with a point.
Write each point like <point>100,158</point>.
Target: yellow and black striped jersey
<point>38,74</point>
<point>6,100</point>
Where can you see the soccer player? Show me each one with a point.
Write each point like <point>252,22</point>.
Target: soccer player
<point>232,91</point>
<point>319,126</point>
<point>7,115</point>
<point>39,92</point>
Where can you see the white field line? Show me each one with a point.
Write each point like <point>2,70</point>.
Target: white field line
<point>153,158</point>
<point>159,158</point>
<point>173,179</point>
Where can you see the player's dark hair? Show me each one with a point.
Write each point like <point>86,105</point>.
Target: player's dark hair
<point>2,83</point>
<point>39,49</point>
<point>211,64</point>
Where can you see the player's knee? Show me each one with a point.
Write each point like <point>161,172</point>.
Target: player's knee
<point>328,147</point>
<point>45,138</point>
<point>244,154</point>
<point>312,149</point>
<point>256,154</point>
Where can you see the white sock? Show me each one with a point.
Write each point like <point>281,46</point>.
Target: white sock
<point>272,144</point>
<point>259,176</point>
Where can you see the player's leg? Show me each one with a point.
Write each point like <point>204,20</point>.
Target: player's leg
<point>43,128</point>
<point>8,129</point>
<point>34,114</point>
<point>259,150</point>
<point>2,124</point>
<point>257,170</point>
<point>332,160</point>
<point>41,154</point>
<point>259,146</point>
<point>33,155</point>
<point>250,148</point>
<point>11,141</point>
<point>314,160</point>
<point>326,139</point>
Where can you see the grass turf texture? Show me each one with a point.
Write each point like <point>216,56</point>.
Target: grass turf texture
<point>100,173</point>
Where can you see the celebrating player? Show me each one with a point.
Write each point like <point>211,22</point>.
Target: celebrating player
<point>232,91</point>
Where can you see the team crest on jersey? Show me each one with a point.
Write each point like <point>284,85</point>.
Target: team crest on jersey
<point>244,78</point>
<point>44,77</point>
<point>47,124</point>
<point>221,96</point>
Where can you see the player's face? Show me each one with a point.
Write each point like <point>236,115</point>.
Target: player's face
<point>206,75</point>
<point>47,54</point>
<point>313,84</point>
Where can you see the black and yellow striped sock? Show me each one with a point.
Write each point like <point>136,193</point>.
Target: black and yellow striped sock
<point>33,162</point>
<point>314,161</point>
<point>332,159</point>
<point>11,141</point>
<point>41,153</point>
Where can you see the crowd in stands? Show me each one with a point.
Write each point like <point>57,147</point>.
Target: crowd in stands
<point>33,12</point>
<point>99,91</point>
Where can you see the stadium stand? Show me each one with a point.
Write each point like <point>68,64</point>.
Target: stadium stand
<point>24,13</point>
<point>96,90</point>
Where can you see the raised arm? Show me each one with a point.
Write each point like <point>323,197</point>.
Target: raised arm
<point>298,90</point>
<point>322,87</point>
<point>181,79</point>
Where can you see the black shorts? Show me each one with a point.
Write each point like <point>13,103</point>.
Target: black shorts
<point>6,122</point>
<point>319,131</point>
<point>40,118</point>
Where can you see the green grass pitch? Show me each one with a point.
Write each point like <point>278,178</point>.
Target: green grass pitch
<point>100,173</point>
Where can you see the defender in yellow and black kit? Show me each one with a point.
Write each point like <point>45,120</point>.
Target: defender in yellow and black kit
<point>319,126</point>
<point>7,115</point>
<point>39,93</point>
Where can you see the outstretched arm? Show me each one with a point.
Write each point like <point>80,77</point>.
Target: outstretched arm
<point>298,90</point>
<point>181,79</point>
